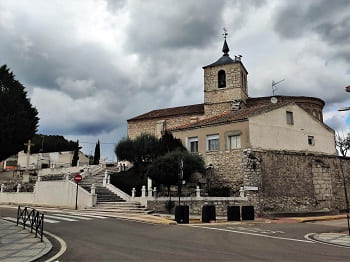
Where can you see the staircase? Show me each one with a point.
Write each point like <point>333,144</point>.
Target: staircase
<point>109,202</point>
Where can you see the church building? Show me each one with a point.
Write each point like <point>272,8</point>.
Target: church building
<point>230,122</point>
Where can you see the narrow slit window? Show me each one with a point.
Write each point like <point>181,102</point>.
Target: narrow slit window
<point>221,79</point>
<point>290,120</point>
<point>311,140</point>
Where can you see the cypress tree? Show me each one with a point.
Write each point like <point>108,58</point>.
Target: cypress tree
<point>19,119</point>
<point>97,153</point>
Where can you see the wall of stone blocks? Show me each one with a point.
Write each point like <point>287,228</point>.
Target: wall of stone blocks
<point>292,181</point>
<point>195,206</point>
<point>148,126</point>
<point>227,170</point>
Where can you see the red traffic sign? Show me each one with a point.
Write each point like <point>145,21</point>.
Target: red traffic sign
<point>78,178</point>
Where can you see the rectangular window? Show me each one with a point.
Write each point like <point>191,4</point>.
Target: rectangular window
<point>311,140</point>
<point>193,144</point>
<point>213,143</point>
<point>290,120</point>
<point>233,141</point>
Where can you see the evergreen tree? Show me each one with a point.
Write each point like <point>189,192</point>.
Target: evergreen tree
<point>76,155</point>
<point>97,153</point>
<point>18,118</point>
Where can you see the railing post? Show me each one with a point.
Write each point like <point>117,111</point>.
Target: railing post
<point>143,191</point>
<point>39,178</point>
<point>105,178</point>
<point>133,192</point>
<point>155,192</point>
<point>93,189</point>
<point>18,188</point>
<point>67,177</point>
<point>109,179</point>
<point>150,191</point>
<point>241,192</point>
<point>2,188</point>
<point>198,192</point>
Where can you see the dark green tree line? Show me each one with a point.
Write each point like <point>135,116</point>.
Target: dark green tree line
<point>18,118</point>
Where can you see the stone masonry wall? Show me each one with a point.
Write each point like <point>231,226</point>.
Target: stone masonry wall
<point>290,181</point>
<point>226,170</point>
<point>136,128</point>
<point>195,206</point>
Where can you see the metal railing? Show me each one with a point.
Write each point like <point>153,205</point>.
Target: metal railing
<point>35,218</point>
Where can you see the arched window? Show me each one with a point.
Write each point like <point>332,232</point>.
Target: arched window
<point>221,79</point>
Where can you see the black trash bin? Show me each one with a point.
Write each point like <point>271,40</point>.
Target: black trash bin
<point>233,213</point>
<point>247,213</point>
<point>208,213</point>
<point>182,214</point>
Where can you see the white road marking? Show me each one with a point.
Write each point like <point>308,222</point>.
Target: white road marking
<point>60,218</point>
<point>21,221</point>
<point>257,230</point>
<point>93,216</point>
<point>255,234</point>
<point>62,250</point>
<point>70,216</point>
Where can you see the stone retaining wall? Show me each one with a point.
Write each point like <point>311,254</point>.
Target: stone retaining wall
<point>195,205</point>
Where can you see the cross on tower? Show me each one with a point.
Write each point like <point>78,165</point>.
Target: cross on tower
<point>225,33</point>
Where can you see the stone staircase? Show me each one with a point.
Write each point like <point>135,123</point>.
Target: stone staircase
<point>109,202</point>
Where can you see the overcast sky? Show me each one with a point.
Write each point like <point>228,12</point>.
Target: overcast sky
<point>90,65</point>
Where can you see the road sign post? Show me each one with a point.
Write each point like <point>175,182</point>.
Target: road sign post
<point>77,179</point>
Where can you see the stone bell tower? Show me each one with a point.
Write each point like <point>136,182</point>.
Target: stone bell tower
<point>225,84</point>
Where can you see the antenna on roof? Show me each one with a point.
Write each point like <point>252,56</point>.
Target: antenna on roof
<point>274,84</point>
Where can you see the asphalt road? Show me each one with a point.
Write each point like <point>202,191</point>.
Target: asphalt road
<point>117,240</point>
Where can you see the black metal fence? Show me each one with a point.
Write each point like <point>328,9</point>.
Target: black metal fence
<point>34,218</point>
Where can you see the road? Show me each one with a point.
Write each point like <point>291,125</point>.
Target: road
<point>110,239</point>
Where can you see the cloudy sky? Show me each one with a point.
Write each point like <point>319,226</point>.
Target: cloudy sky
<point>90,65</point>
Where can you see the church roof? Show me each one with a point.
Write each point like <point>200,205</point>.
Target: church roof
<point>228,117</point>
<point>171,112</point>
<point>224,60</point>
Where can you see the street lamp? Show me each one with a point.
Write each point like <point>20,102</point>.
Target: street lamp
<point>347,89</point>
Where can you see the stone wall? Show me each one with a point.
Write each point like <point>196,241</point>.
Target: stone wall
<point>291,182</point>
<point>227,169</point>
<point>196,205</point>
<point>149,126</point>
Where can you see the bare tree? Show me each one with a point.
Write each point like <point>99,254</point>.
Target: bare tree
<point>342,142</point>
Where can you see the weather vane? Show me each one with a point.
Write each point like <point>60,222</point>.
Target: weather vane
<point>225,33</point>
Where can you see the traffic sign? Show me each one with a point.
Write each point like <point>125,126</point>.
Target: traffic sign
<point>78,178</point>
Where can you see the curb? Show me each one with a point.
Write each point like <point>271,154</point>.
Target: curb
<point>320,218</point>
<point>314,237</point>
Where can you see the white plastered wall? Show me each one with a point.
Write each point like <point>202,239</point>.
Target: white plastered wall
<point>271,131</point>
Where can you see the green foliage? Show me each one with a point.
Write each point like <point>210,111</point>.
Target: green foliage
<point>52,143</point>
<point>125,150</point>
<point>97,154</point>
<point>125,181</point>
<point>165,169</point>
<point>168,143</point>
<point>76,155</point>
<point>18,118</point>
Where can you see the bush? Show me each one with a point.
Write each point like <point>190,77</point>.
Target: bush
<point>125,181</point>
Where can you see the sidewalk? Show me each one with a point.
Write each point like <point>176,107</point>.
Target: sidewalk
<point>18,244</point>
<point>332,238</point>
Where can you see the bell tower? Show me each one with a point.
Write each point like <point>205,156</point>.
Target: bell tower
<point>225,83</point>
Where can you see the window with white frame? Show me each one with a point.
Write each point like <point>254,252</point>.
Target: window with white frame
<point>233,141</point>
<point>213,143</point>
<point>193,144</point>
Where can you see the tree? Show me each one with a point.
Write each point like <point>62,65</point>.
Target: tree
<point>76,155</point>
<point>343,143</point>
<point>165,169</point>
<point>19,119</point>
<point>52,143</point>
<point>97,153</point>
<point>168,143</point>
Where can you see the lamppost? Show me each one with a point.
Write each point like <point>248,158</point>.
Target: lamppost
<point>347,89</point>
<point>181,176</point>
